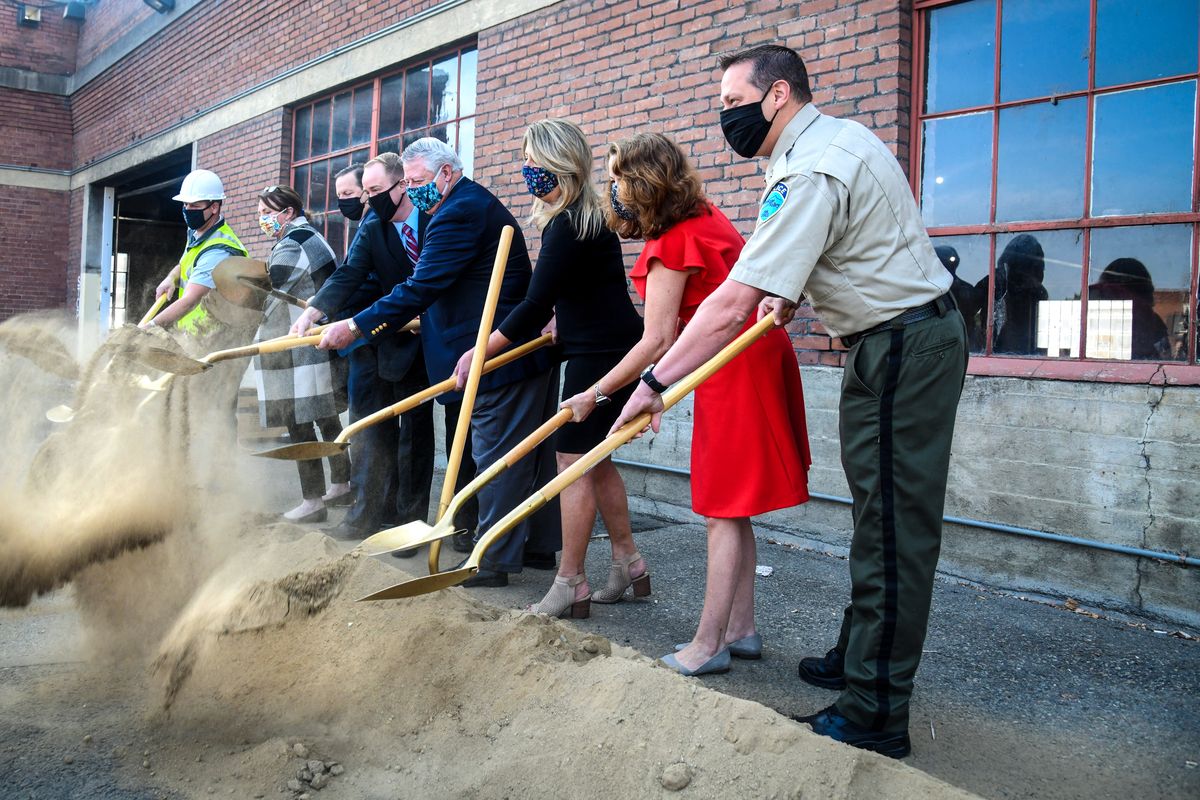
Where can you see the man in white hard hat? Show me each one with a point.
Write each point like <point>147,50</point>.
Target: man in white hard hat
<point>210,241</point>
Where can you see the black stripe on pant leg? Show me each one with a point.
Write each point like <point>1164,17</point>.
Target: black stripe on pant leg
<point>883,688</point>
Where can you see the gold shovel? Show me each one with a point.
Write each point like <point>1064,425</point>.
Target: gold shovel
<point>304,451</point>
<point>415,534</point>
<point>442,580</point>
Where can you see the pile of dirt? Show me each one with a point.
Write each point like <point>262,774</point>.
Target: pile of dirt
<point>444,696</point>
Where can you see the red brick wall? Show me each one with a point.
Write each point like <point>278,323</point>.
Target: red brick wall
<point>636,66</point>
<point>248,158</point>
<point>34,244</point>
<point>35,129</point>
<point>107,22</point>
<point>48,48</point>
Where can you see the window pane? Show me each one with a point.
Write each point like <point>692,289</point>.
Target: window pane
<point>300,149</point>
<point>1141,41</point>
<point>1042,153</point>
<point>1043,48</point>
<point>300,184</point>
<point>961,59</point>
<point>335,234</point>
<point>336,165</point>
<point>1142,153</point>
<point>391,105</point>
<point>1138,284</point>
<point>318,187</point>
<point>957,170</point>
<point>967,258</point>
<point>361,133</point>
<point>390,146</point>
<point>444,94</point>
<point>469,66</point>
<point>320,130</point>
<point>416,98</point>
<point>1036,309</point>
<point>466,145</point>
<point>340,138</point>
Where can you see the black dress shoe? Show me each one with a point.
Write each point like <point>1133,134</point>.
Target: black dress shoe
<point>832,723</point>
<point>348,532</point>
<point>827,672</point>
<point>462,542</point>
<point>539,560</point>
<point>486,577</point>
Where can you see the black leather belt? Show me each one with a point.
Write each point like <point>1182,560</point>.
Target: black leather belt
<point>934,308</point>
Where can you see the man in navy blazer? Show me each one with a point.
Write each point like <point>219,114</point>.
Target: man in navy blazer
<point>448,289</point>
<point>393,461</point>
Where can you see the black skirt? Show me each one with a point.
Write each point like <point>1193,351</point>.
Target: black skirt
<point>581,374</point>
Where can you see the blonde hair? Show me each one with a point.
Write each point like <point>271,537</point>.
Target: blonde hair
<point>560,147</point>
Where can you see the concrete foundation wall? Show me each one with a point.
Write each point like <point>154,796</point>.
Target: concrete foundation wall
<point>1112,462</point>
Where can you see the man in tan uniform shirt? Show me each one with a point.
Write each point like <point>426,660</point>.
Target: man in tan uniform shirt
<point>838,224</point>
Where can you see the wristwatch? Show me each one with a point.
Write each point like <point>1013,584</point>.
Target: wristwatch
<point>353,327</point>
<point>601,397</point>
<point>651,381</point>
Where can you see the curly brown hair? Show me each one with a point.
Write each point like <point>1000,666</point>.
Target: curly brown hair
<point>656,182</point>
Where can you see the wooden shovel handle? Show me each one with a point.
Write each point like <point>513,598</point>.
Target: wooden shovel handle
<point>522,449</point>
<point>448,385</point>
<point>157,307</point>
<point>272,346</point>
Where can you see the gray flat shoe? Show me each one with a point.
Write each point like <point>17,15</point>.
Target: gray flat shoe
<point>717,664</point>
<point>748,647</point>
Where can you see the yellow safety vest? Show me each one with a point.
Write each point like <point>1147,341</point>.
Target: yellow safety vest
<point>196,320</point>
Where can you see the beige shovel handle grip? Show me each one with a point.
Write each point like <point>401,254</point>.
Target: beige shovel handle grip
<point>522,449</point>
<point>154,309</point>
<point>272,346</point>
<point>448,385</point>
<point>672,396</point>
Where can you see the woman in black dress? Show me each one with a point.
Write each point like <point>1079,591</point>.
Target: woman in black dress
<point>580,275</point>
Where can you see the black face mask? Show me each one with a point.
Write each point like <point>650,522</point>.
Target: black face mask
<point>194,217</point>
<point>383,205</point>
<point>746,128</point>
<point>351,208</point>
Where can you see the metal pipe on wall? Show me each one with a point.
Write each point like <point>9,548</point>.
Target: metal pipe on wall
<point>1174,558</point>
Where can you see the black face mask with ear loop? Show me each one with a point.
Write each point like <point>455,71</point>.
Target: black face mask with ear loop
<point>383,205</point>
<point>746,128</point>
<point>351,208</point>
<point>194,217</point>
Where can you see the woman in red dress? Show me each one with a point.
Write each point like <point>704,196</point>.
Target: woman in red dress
<point>749,443</point>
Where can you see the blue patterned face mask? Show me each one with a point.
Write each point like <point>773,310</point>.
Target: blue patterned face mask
<point>539,181</point>
<point>618,206</point>
<point>425,197</point>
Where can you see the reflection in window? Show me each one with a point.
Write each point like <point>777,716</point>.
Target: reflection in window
<point>1137,41</point>
<point>1139,279</point>
<point>1142,153</point>
<point>1040,172</point>
<point>960,57</point>
<point>1043,48</point>
<point>967,258</point>
<point>1030,270</point>
<point>956,170</point>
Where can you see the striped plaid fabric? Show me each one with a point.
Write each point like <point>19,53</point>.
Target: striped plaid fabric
<point>294,386</point>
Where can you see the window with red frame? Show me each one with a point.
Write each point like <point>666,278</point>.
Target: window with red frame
<point>1055,157</point>
<point>431,97</point>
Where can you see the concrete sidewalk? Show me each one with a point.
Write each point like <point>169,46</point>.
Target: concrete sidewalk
<point>1015,698</point>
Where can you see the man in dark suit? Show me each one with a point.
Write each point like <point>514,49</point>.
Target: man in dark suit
<point>393,462</point>
<point>448,289</point>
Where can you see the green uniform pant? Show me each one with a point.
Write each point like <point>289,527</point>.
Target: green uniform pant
<point>900,392</point>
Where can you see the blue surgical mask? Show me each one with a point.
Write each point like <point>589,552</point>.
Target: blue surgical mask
<point>618,206</point>
<point>425,197</point>
<point>539,181</point>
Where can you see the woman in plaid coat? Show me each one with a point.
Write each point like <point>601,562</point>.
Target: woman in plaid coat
<point>295,387</point>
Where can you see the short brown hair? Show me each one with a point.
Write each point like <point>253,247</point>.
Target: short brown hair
<point>277,198</point>
<point>392,165</point>
<point>770,63</point>
<point>656,182</point>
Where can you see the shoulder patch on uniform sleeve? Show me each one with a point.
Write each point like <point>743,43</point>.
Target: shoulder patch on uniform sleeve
<point>774,201</point>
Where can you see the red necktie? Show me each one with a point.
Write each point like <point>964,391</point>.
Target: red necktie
<point>410,242</point>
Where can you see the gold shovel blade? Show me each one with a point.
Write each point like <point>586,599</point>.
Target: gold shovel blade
<point>305,451</point>
<point>164,360</point>
<point>403,537</point>
<point>426,585</point>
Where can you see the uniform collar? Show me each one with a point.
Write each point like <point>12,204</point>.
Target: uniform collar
<point>805,117</point>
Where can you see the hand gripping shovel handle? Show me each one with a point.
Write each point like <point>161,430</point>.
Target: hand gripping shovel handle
<point>568,476</point>
<point>272,346</point>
